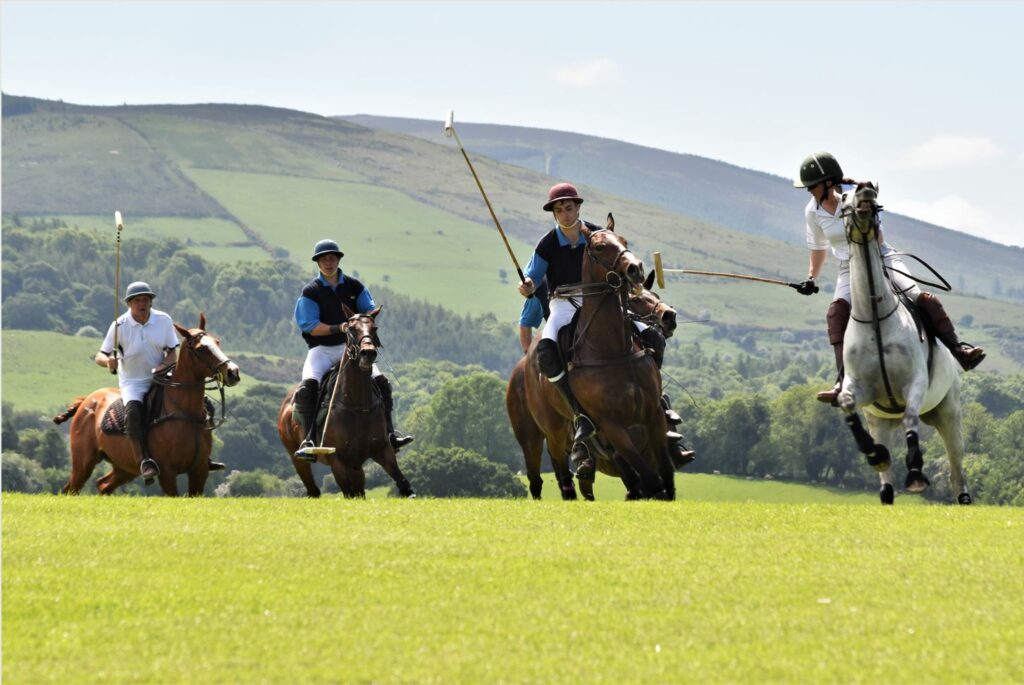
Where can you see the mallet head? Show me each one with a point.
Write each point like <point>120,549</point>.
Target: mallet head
<point>659,270</point>
<point>449,123</point>
<point>117,221</point>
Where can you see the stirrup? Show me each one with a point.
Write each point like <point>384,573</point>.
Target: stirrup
<point>584,428</point>
<point>308,451</point>
<point>149,469</point>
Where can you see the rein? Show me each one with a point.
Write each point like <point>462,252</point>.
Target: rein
<point>213,376</point>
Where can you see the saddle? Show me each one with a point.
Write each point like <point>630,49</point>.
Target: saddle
<point>114,418</point>
<point>323,399</point>
<point>567,334</point>
<point>924,327</point>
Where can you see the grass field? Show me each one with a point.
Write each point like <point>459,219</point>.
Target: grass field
<point>430,591</point>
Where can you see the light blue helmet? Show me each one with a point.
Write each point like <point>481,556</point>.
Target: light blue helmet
<point>138,288</point>
<point>323,247</point>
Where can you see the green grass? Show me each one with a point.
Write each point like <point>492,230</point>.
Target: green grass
<point>43,371</point>
<point>430,591</point>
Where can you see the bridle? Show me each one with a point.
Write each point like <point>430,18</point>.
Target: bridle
<point>214,373</point>
<point>354,345</point>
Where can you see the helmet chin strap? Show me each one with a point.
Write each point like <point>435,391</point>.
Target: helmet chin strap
<point>569,227</point>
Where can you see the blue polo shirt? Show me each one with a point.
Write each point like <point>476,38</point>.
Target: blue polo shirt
<point>557,259</point>
<point>321,302</point>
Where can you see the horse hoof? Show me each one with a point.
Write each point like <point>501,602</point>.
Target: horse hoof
<point>916,481</point>
<point>887,494</point>
<point>569,493</point>
<point>964,498</point>
<point>411,495</point>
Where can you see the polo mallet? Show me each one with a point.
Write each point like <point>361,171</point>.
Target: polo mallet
<point>449,130</point>
<point>661,271</point>
<point>321,450</point>
<point>117,280</point>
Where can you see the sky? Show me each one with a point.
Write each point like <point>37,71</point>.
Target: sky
<point>925,98</point>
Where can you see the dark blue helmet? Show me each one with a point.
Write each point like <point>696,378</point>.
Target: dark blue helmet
<point>323,247</point>
<point>137,288</point>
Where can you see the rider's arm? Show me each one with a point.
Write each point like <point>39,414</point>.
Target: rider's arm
<point>534,274</point>
<point>816,262</point>
<point>307,317</point>
<point>106,356</point>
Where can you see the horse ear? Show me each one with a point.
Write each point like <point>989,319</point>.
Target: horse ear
<point>610,225</point>
<point>348,312</point>
<point>649,283</point>
<point>373,313</point>
<point>182,331</point>
<point>202,321</point>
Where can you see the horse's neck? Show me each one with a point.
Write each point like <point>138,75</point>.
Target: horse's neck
<point>605,323</point>
<point>356,386</point>
<point>188,399</point>
<point>867,275</point>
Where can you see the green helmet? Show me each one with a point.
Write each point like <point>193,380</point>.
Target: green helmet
<point>821,166</point>
<point>137,288</point>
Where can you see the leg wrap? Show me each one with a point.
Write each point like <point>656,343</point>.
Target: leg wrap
<point>655,341</point>
<point>133,420</point>
<point>548,359</point>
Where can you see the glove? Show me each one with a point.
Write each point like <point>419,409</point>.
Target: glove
<point>806,287</point>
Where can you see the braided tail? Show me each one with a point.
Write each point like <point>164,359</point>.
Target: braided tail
<point>72,408</point>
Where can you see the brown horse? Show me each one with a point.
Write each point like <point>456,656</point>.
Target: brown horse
<point>644,306</point>
<point>617,384</point>
<point>357,427</point>
<point>181,439</point>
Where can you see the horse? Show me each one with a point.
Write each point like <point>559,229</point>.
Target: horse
<point>615,381</point>
<point>644,306</point>
<point>180,439</point>
<point>892,370</point>
<point>357,427</point>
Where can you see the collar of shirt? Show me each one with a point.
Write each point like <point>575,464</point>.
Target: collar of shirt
<point>564,242</point>
<point>341,279</point>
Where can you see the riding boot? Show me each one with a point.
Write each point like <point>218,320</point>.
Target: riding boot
<point>671,416</point>
<point>304,414</point>
<point>838,318</point>
<point>397,440</point>
<point>681,456</point>
<point>135,431</point>
<point>967,355</point>
<point>217,465</point>
<point>654,341</point>
<point>550,362</point>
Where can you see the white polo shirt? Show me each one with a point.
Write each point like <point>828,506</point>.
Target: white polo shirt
<point>143,345</point>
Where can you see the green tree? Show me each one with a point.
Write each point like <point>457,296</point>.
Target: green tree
<point>455,472</point>
<point>21,474</point>
<point>257,483</point>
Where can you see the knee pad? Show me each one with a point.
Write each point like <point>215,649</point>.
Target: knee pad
<point>133,420</point>
<point>838,317</point>
<point>548,358</point>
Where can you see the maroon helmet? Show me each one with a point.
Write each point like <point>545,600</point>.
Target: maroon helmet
<point>562,191</point>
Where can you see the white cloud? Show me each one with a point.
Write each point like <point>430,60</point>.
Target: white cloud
<point>597,72</point>
<point>951,211</point>
<point>949,151</point>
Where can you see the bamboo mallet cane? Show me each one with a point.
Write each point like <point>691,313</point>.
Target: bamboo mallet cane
<point>449,130</point>
<point>119,223</point>
<point>660,272</point>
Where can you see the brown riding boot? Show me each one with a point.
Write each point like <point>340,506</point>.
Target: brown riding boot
<point>968,355</point>
<point>838,317</point>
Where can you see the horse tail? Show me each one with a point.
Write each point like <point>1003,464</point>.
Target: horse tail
<point>72,408</point>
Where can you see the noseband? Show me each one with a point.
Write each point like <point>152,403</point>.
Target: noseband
<point>611,277</point>
<point>354,344</point>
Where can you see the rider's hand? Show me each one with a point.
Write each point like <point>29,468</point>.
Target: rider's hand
<point>526,288</point>
<point>112,364</point>
<point>807,287</point>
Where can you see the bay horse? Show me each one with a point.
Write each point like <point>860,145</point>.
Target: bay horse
<point>357,427</point>
<point>644,306</point>
<point>615,381</point>
<point>892,370</point>
<point>181,439</point>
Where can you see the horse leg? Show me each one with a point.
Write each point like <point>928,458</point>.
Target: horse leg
<point>883,431</point>
<point>651,484</point>
<point>112,480</point>
<point>81,469</point>
<point>668,471</point>
<point>357,481</point>
<point>877,455</point>
<point>947,417</point>
<point>916,481</point>
<point>389,463</point>
<point>168,482</point>
<point>197,480</point>
<point>558,448</point>
<point>305,471</point>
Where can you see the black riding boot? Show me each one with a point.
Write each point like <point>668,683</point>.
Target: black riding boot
<point>680,455</point>
<point>397,440</point>
<point>135,431</point>
<point>671,416</point>
<point>550,363</point>
<point>305,415</point>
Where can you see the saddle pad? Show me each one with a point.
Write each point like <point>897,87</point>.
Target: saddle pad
<point>114,418</point>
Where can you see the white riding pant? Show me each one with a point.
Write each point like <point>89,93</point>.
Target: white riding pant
<point>561,314</point>
<point>134,390</point>
<point>321,358</point>
<point>907,285</point>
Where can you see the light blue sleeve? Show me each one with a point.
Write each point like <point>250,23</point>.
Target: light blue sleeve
<point>307,314</point>
<point>536,269</point>
<point>364,303</point>
<point>532,314</point>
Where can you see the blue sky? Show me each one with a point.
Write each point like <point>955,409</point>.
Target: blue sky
<point>926,98</point>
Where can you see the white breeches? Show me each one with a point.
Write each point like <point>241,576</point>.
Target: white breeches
<point>901,282</point>
<point>321,358</point>
<point>134,390</point>
<point>561,314</point>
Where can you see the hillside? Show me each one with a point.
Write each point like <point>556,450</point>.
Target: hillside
<point>259,183</point>
<point>716,192</point>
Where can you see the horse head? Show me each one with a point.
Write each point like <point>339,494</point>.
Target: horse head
<point>610,260</point>
<point>648,308</point>
<point>205,353</point>
<point>860,213</point>
<point>361,341</point>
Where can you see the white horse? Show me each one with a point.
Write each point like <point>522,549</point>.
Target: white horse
<point>893,371</point>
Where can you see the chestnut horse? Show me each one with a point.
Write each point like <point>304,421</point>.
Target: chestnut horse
<point>357,427</point>
<point>615,381</point>
<point>645,307</point>
<point>181,439</point>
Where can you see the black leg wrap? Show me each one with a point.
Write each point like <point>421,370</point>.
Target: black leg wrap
<point>887,494</point>
<point>877,455</point>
